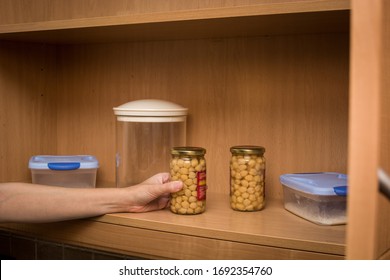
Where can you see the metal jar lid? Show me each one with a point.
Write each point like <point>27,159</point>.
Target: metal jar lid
<point>189,151</point>
<point>248,150</point>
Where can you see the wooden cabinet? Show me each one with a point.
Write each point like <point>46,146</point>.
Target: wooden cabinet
<point>287,75</point>
<point>369,212</point>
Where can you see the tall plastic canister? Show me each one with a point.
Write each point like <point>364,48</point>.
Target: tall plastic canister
<point>146,130</point>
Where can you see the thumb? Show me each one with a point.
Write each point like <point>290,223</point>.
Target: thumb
<point>159,178</point>
<point>172,187</point>
<point>152,197</point>
<point>157,190</point>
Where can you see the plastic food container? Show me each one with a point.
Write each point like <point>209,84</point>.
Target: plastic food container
<point>317,197</point>
<point>146,130</point>
<point>78,171</point>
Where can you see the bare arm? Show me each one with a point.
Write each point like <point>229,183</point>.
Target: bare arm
<point>23,202</point>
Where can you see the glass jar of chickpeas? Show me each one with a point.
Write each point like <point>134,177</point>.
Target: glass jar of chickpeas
<point>189,166</point>
<point>247,178</point>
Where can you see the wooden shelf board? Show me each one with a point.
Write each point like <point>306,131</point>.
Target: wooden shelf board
<point>273,226</point>
<point>271,233</point>
<point>265,19</point>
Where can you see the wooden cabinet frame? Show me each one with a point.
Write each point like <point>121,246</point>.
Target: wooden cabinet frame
<point>298,77</point>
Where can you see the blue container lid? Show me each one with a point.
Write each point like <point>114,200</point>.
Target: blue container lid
<point>63,163</point>
<point>322,183</point>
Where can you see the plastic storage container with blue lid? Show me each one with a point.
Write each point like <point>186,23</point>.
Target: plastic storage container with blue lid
<point>317,197</point>
<point>66,171</point>
<point>323,183</point>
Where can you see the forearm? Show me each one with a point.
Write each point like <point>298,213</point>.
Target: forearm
<point>23,202</point>
<point>36,203</point>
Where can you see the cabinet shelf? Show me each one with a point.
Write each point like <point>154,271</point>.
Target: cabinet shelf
<point>254,20</point>
<point>273,226</point>
<point>271,233</point>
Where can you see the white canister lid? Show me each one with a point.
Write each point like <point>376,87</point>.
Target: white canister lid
<point>150,110</point>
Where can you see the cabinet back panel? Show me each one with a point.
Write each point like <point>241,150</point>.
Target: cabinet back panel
<point>286,93</point>
<point>27,110</point>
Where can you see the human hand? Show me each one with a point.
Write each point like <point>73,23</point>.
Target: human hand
<point>153,193</point>
<point>22,202</point>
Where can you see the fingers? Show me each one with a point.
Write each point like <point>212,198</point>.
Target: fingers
<point>153,196</point>
<point>160,178</point>
<point>174,186</point>
<point>157,204</point>
<point>163,202</point>
<point>158,190</point>
<point>163,178</point>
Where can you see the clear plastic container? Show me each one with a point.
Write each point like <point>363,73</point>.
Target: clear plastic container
<point>317,197</point>
<point>188,165</point>
<point>247,178</point>
<point>146,130</point>
<point>78,171</point>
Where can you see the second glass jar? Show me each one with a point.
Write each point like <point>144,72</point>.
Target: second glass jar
<point>188,165</point>
<point>247,178</point>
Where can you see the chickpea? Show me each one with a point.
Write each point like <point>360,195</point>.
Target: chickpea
<point>194,162</point>
<point>239,206</point>
<point>188,193</point>
<point>242,167</point>
<point>180,163</point>
<point>185,204</point>
<point>251,163</point>
<point>184,170</point>
<point>188,182</point>
<point>245,183</point>
<point>176,168</point>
